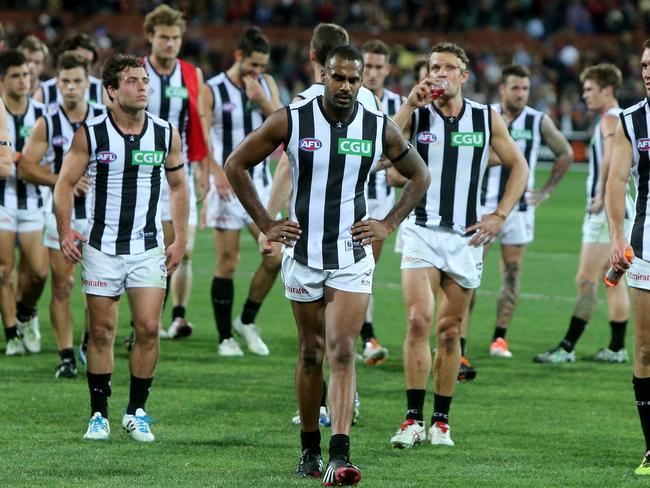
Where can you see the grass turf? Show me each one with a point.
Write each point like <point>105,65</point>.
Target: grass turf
<point>226,421</point>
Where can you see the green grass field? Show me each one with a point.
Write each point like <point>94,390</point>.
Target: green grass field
<point>226,422</point>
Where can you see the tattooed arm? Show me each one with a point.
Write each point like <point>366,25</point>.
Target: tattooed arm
<point>607,128</point>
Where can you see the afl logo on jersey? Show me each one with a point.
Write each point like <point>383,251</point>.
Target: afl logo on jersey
<point>426,137</point>
<point>105,157</point>
<point>643,144</point>
<point>309,144</point>
<point>229,107</point>
<point>59,141</point>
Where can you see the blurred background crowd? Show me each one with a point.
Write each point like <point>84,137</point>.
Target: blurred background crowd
<point>555,38</point>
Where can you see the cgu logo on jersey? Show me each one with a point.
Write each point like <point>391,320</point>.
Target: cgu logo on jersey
<point>518,134</point>
<point>175,92</point>
<point>355,147</point>
<point>24,131</point>
<point>474,139</point>
<point>309,144</point>
<point>105,157</point>
<point>149,158</point>
<point>643,144</point>
<point>426,137</point>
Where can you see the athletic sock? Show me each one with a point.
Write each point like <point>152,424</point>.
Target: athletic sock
<point>178,312</point>
<point>138,394</point>
<point>223,292</point>
<point>167,291</point>
<point>311,441</point>
<point>67,355</point>
<point>100,389</point>
<point>415,405</point>
<point>367,332</point>
<point>24,313</point>
<point>323,397</point>
<point>642,395</point>
<point>576,328</point>
<point>250,311</point>
<point>617,341</point>
<point>441,406</point>
<point>499,333</point>
<point>339,446</point>
<point>11,332</point>
<point>463,346</point>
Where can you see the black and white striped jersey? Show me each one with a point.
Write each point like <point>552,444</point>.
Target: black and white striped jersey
<point>15,193</point>
<point>594,178</point>
<point>636,125</point>
<point>391,102</point>
<point>525,130</point>
<point>60,132</point>
<point>125,172</point>
<point>52,96</point>
<point>456,150</point>
<point>330,161</point>
<point>234,116</point>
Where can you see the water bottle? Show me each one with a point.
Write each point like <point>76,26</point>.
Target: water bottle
<point>439,88</point>
<point>612,277</point>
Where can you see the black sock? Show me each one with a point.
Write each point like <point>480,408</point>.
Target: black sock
<point>441,406</point>
<point>178,312</point>
<point>84,341</point>
<point>100,389</point>
<point>11,332</point>
<point>642,395</point>
<point>323,397</point>
<point>167,291</point>
<point>339,446</point>
<point>67,355</point>
<point>499,332</point>
<point>617,341</point>
<point>463,346</point>
<point>223,292</point>
<point>139,393</point>
<point>576,328</point>
<point>367,332</point>
<point>23,313</point>
<point>415,404</point>
<point>311,441</point>
<point>250,311</point>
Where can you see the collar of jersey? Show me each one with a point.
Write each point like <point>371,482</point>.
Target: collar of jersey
<point>333,123</point>
<point>446,117</point>
<point>125,136</point>
<point>154,69</point>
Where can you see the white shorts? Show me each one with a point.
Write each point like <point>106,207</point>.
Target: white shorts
<point>638,276</point>
<point>164,202</point>
<point>379,208</point>
<point>305,284</point>
<point>519,228</point>
<point>109,276</point>
<point>230,214</point>
<point>443,249</point>
<point>17,220</point>
<point>595,229</point>
<point>51,234</point>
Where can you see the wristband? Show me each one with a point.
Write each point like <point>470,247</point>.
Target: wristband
<point>174,168</point>
<point>499,213</point>
<point>5,143</point>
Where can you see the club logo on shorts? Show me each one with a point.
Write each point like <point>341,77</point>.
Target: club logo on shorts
<point>95,283</point>
<point>643,144</point>
<point>148,158</point>
<point>309,144</point>
<point>355,147</point>
<point>426,137</point>
<point>518,134</point>
<point>176,92</point>
<point>59,141</point>
<point>473,139</point>
<point>105,157</point>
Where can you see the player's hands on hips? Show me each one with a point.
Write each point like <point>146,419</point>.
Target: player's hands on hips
<point>369,231</point>
<point>420,94</point>
<point>617,257</point>
<point>70,241</point>
<point>82,187</point>
<point>174,255</point>
<point>265,246</point>
<point>486,230</point>
<point>284,230</point>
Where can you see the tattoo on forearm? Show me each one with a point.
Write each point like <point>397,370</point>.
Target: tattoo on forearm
<point>509,294</point>
<point>587,300</point>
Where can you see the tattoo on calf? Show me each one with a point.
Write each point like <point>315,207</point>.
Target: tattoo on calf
<point>509,294</point>
<point>587,300</point>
